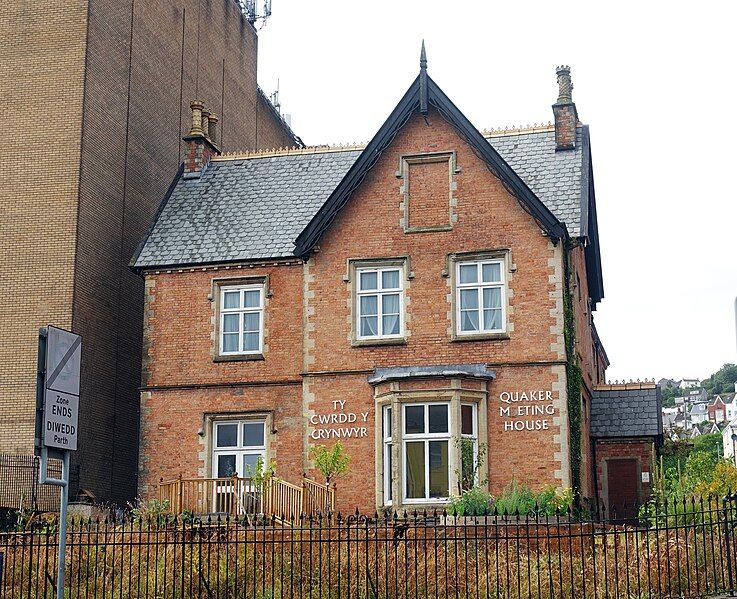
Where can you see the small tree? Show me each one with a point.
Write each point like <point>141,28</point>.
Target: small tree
<point>330,461</point>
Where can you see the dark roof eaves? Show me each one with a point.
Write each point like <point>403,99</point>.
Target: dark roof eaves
<point>309,236</point>
<point>154,220</point>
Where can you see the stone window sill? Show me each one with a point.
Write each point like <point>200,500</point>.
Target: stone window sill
<point>378,342</point>
<point>480,337</point>
<point>239,358</point>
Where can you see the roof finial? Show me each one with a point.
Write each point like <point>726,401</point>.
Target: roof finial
<point>423,80</point>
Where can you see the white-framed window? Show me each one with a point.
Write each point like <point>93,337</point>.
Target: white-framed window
<point>241,319</point>
<point>425,447</point>
<point>237,445</point>
<point>470,439</point>
<point>480,297</point>
<point>379,303</point>
<point>386,446</point>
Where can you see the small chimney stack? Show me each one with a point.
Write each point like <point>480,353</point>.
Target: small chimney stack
<point>566,116</point>
<point>199,145</point>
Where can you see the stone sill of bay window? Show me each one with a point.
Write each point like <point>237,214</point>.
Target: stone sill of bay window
<point>379,342</point>
<point>238,358</point>
<point>480,337</point>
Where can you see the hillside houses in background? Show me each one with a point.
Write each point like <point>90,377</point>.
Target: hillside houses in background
<point>695,413</point>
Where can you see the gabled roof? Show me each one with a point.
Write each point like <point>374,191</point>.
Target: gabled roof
<point>410,103</point>
<point>261,206</point>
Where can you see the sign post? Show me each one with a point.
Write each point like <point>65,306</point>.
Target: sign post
<point>57,416</point>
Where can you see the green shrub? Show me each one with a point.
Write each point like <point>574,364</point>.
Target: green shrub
<point>475,501</point>
<point>520,499</point>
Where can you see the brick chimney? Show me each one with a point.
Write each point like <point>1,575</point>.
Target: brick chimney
<point>199,145</point>
<point>566,116</point>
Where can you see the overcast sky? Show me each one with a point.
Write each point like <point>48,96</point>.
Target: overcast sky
<point>655,82</point>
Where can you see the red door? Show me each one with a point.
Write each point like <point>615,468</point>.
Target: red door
<point>622,483</point>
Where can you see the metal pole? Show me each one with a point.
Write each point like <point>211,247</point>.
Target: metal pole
<point>62,482</point>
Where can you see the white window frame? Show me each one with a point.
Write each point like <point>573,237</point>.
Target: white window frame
<point>387,415</point>
<point>480,285</point>
<point>239,450</point>
<point>241,310</point>
<point>426,437</point>
<point>379,292</point>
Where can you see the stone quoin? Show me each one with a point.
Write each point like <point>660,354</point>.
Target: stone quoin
<point>399,297</point>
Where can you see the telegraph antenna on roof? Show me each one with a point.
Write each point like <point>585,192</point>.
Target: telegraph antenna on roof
<point>248,8</point>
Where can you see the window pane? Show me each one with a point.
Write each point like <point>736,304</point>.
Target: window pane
<point>469,299</point>
<point>438,417</point>
<point>250,341</point>
<point>438,469</point>
<point>227,435</point>
<point>250,464</point>
<point>390,279</point>
<point>252,298</point>
<point>251,321</point>
<point>415,469</point>
<point>226,466</point>
<point>387,423</point>
<point>492,320</point>
<point>492,298</point>
<point>368,326</point>
<point>230,323</point>
<point>466,420</point>
<point>368,281</point>
<point>414,419</point>
<point>231,299</point>
<point>468,273</point>
<point>230,342</point>
<point>470,321</point>
<point>369,305</point>
<point>390,324</point>
<point>390,303</point>
<point>253,434</point>
<point>492,273</point>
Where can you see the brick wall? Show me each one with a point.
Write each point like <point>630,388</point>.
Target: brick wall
<point>43,50</point>
<point>608,449</point>
<point>103,103</point>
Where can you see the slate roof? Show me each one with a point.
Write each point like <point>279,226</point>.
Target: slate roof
<point>618,412</point>
<point>254,208</point>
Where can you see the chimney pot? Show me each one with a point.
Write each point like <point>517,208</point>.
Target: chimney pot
<point>205,123</point>
<point>565,86</point>
<point>196,106</point>
<point>212,127</point>
<point>566,115</point>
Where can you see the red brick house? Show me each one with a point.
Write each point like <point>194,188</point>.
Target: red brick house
<point>437,284</point>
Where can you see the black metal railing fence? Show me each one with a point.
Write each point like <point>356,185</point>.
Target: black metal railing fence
<point>19,486</point>
<point>681,549</point>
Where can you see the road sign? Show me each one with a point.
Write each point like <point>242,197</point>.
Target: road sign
<point>61,416</point>
<point>61,389</point>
